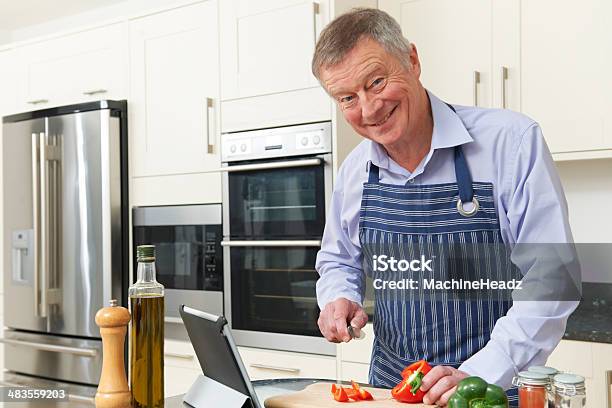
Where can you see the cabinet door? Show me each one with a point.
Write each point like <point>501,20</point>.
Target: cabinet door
<point>174,93</point>
<point>267,46</point>
<point>8,77</point>
<point>76,68</point>
<point>268,364</point>
<point>453,41</point>
<point>566,57</point>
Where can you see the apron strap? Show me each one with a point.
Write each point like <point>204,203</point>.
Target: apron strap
<point>464,178</point>
<point>373,173</point>
<point>462,172</point>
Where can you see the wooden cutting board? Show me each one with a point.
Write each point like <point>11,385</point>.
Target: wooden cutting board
<point>319,396</point>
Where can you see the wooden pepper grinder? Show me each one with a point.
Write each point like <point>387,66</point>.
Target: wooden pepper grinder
<point>113,390</point>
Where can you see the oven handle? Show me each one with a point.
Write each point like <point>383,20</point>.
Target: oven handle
<point>272,243</point>
<point>272,165</point>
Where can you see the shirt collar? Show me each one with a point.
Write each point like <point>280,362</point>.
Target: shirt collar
<point>448,131</point>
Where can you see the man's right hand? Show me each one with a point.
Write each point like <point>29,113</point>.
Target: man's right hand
<point>337,315</point>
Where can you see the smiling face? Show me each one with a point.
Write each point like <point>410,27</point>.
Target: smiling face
<point>381,98</point>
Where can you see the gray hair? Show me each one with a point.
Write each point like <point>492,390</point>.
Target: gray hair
<point>342,34</point>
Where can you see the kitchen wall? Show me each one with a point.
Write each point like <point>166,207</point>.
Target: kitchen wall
<point>588,187</point>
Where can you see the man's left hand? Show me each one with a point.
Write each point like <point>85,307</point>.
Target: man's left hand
<point>440,383</point>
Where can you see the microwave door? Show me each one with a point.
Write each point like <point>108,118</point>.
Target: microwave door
<point>22,224</point>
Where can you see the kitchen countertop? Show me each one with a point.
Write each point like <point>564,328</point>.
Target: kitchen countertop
<point>592,319</point>
<point>263,388</point>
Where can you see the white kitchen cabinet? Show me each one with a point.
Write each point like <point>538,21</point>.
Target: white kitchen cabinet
<point>591,360</point>
<point>354,357</point>
<point>266,49</point>
<point>262,364</point>
<point>80,67</point>
<point>181,367</point>
<point>566,60</point>
<point>8,86</point>
<point>453,41</point>
<point>174,109</point>
<point>266,46</point>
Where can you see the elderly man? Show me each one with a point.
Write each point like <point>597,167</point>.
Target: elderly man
<point>430,172</point>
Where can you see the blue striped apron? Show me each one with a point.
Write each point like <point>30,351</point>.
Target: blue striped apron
<point>408,324</point>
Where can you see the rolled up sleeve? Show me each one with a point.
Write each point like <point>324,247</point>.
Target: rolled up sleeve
<point>339,260</point>
<point>537,214</point>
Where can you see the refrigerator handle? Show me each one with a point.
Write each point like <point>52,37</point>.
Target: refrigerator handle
<point>36,219</point>
<point>43,225</point>
<point>48,221</point>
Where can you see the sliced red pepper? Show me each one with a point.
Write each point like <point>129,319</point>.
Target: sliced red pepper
<point>353,394</point>
<point>340,394</point>
<point>363,394</point>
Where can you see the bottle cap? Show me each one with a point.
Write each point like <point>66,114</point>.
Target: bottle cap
<point>145,253</point>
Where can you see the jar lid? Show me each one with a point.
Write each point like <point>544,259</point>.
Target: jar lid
<point>531,378</point>
<point>543,370</point>
<point>568,379</point>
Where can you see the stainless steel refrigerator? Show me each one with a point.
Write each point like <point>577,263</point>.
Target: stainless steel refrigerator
<point>65,241</point>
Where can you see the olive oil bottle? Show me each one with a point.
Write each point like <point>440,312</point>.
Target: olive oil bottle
<point>147,333</point>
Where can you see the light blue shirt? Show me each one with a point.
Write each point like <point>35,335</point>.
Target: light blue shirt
<point>501,147</point>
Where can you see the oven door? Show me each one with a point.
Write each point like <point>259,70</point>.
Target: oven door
<point>272,300</point>
<point>277,199</point>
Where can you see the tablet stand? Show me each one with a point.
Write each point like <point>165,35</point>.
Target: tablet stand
<point>206,392</point>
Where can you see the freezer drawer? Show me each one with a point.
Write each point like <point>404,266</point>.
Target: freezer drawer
<point>79,396</point>
<point>63,358</point>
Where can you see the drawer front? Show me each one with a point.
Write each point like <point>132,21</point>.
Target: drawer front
<point>64,358</point>
<point>180,354</point>
<point>268,364</point>
<point>359,351</point>
<point>178,380</point>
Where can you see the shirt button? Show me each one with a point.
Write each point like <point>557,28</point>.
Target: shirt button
<point>411,181</point>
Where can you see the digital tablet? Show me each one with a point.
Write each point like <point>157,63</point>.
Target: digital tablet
<point>212,341</point>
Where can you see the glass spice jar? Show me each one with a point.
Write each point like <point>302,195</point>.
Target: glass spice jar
<point>569,390</point>
<point>532,389</point>
<point>550,372</point>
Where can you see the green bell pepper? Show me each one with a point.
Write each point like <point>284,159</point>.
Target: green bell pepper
<point>474,392</point>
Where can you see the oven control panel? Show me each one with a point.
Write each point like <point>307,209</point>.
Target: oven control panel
<point>314,138</point>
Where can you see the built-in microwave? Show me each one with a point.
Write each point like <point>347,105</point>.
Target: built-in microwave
<point>189,257</point>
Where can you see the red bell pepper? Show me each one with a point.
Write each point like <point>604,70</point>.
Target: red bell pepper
<point>409,389</point>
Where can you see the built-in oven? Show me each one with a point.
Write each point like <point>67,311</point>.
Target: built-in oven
<point>276,189</point>
<point>188,254</point>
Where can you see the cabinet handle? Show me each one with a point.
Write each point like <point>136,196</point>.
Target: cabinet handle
<point>504,78</point>
<point>38,101</point>
<point>179,355</point>
<point>209,110</point>
<point>609,388</point>
<point>94,92</point>
<point>476,82</point>
<point>275,368</point>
